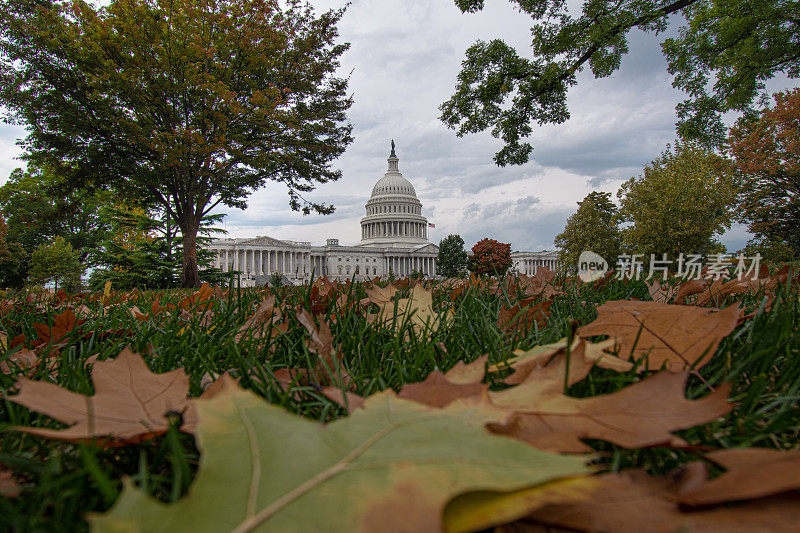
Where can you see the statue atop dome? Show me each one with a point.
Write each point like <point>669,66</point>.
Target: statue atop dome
<point>392,154</point>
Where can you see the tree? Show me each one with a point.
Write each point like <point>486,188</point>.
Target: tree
<point>490,257</point>
<point>594,227</point>
<point>56,262</point>
<point>142,250</point>
<point>39,206</point>
<point>184,105</point>
<point>452,259</point>
<point>684,198</point>
<point>12,257</point>
<point>766,151</point>
<point>737,44</point>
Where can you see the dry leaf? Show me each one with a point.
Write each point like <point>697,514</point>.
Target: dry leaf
<point>522,316</point>
<point>63,324</point>
<point>380,295</point>
<point>660,293</point>
<point>329,367</point>
<point>751,473</point>
<point>464,373</point>
<point>263,323</point>
<point>676,336</point>
<point>419,310</point>
<point>438,391</point>
<point>643,414</point>
<point>689,288</point>
<point>549,361</point>
<point>24,359</point>
<point>9,488</point>
<point>633,502</point>
<point>130,403</point>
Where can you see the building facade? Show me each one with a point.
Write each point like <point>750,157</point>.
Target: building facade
<point>394,240</point>
<point>528,262</point>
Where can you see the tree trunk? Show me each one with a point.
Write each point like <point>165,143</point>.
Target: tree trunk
<point>190,276</point>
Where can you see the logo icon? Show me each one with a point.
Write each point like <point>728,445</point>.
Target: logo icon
<point>591,266</point>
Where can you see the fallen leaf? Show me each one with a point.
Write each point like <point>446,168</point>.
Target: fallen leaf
<point>549,362</point>
<point>660,293</point>
<point>463,373</point>
<point>689,288</point>
<point>634,502</point>
<point>675,336</point>
<point>640,415</point>
<point>522,316</point>
<point>24,359</point>
<point>130,403</point>
<point>380,295</point>
<point>418,310</point>
<point>751,473</point>
<point>391,466</point>
<point>9,488</point>
<point>262,323</point>
<point>329,366</point>
<point>63,325</point>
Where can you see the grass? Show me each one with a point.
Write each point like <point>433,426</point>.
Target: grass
<point>64,482</point>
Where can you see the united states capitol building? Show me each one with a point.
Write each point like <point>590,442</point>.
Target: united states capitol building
<point>394,240</point>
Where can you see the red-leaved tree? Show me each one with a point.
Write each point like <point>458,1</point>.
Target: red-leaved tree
<point>490,257</point>
<point>766,149</point>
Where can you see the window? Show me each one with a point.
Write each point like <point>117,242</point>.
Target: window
<point>340,271</point>
<point>348,270</point>
<point>374,271</point>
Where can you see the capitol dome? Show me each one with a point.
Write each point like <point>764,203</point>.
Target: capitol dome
<point>393,211</point>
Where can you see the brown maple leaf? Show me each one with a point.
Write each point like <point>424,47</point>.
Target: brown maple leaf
<point>130,404</point>
<point>379,295</point>
<point>203,296</point>
<point>675,336</point>
<point>63,325</point>
<point>523,315</point>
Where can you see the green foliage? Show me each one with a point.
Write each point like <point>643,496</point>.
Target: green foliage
<point>594,227</point>
<point>12,259</point>
<point>39,206</point>
<point>452,259</point>
<point>144,251</point>
<point>684,198</point>
<point>767,156</point>
<point>182,105</point>
<point>56,263</point>
<point>733,44</point>
<point>771,251</point>
<point>490,258</point>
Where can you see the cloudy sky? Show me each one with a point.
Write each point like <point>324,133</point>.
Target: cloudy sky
<point>404,58</point>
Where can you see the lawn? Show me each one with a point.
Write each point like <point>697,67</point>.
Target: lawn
<point>275,343</point>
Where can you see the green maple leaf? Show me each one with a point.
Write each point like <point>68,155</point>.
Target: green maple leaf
<point>391,466</point>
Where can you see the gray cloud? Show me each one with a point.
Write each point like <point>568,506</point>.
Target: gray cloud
<point>404,58</point>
